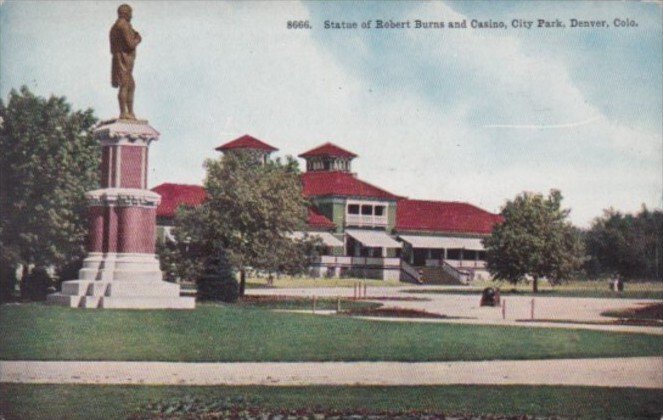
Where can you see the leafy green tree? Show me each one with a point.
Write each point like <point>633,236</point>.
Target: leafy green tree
<point>535,239</point>
<point>630,245</point>
<point>183,258</point>
<point>251,210</point>
<point>48,161</point>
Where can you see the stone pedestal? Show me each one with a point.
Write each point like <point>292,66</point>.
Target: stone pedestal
<point>121,269</point>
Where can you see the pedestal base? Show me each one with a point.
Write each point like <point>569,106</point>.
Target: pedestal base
<point>128,281</point>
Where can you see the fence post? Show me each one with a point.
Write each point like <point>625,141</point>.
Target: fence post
<point>338,304</point>
<point>503,308</point>
<point>532,310</point>
<point>314,299</point>
<point>365,290</point>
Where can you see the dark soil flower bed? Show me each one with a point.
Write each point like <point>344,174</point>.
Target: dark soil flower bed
<point>272,298</point>
<point>239,408</point>
<point>645,312</point>
<point>397,299</point>
<point>394,313</point>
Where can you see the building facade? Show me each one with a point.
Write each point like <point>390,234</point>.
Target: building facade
<point>367,231</point>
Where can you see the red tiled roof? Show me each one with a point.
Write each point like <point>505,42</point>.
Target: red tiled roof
<point>444,216</point>
<point>175,195</point>
<point>315,184</point>
<point>318,220</point>
<point>246,142</point>
<point>328,149</point>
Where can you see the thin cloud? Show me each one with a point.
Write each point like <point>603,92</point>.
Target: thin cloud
<point>544,126</point>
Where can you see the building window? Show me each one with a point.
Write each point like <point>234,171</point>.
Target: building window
<point>353,209</point>
<point>379,210</point>
<point>366,210</point>
<point>453,254</point>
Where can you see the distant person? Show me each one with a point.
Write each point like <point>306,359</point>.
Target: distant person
<point>123,42</point>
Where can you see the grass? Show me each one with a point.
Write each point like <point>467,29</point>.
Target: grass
<point>110,402</point>
<point>587,289</point>
<point>285,282</point>
<point>235,333</point>
<point>303,303</point>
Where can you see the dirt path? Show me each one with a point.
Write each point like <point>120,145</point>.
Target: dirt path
<point>639,372</point>
<point>518,308</point>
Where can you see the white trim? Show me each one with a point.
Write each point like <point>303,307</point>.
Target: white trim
<point>118,166</point>
<point>143,168</point>
<point>374,238</point>
<point>123,197</point>
<point>443,242</point>
<point>366,219</point>
<point>327,238</point>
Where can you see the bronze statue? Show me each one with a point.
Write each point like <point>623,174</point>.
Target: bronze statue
<point>123,42</point>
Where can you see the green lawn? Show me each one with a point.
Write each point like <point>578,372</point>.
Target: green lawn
<point>235,333</point>
<point>303,303</point>
<point>583,289</point>
<point>115,402</point>
<point>310,282</point>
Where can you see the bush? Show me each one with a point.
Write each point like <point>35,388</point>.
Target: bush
<point>36,285</point>
<point>218,281</point>
<point>7,282</point>
<point>68,271</point>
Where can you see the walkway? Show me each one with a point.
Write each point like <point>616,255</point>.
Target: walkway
<point>518,308</point>
<point>638,372</point>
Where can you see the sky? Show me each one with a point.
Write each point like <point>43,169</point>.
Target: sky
<point>473,115</point>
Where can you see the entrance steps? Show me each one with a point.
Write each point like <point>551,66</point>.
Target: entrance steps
<point>438,275</point>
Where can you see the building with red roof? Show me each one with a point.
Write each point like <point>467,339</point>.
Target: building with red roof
<point>316,220</point>
<point>328,157</point>
<point>341,184</point>
<point>443,217</point>
<point>369,231</point>
<point>248,143</point>
<point>175,195</point>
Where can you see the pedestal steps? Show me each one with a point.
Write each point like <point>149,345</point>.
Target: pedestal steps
<point>121,294</point>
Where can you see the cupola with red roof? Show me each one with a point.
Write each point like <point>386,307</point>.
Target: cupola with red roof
<point>327,158</point>
<point>247,142</point>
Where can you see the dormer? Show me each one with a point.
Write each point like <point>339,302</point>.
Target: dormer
<point>246,142</point>
<point>328,158</point>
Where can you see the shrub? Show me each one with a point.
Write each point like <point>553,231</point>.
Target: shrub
<point>68,271</point>
<point>7,282</point>
<point>217,282</point>
<point>36,285</point>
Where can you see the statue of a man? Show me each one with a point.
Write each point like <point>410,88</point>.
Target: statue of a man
<point>123,42</point>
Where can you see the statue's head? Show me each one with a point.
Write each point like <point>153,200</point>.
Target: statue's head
<point>124,11</point>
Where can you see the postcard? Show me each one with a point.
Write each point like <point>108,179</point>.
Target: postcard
<point>411,137</point>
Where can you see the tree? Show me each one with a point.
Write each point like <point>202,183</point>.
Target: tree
<point>535,240</point>
<point>251,209</point>
<point>49,160</point>
<point>627,244</point>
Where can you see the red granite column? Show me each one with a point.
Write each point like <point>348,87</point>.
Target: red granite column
<point>131,166</point>
<point>149,230</point>
<point>110,230</point>
<point>96,235</point>
<point>136,230</point>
